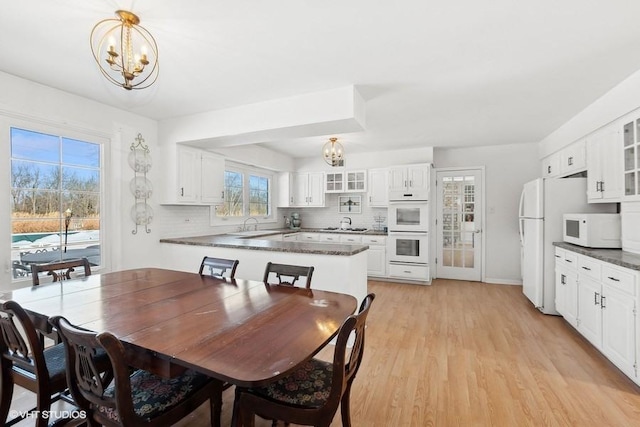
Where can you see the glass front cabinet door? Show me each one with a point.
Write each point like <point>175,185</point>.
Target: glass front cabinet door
<point>631,138</point>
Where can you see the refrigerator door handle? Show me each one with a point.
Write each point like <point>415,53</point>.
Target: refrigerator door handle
<point>521,206</point>
<point>520,224</point>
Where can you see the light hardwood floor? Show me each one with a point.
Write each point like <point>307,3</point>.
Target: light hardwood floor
<point>474,354</point>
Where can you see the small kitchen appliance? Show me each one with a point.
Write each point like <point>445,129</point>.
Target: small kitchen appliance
<point>295,220</point>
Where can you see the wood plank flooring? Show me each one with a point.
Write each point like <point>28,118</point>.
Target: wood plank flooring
<point>472,354</point>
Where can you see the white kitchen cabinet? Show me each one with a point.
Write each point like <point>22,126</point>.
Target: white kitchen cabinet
<point>409,182</point>
<point>329,238</point>
<point>573,158</point>
<point>589,311</point>
<point>606,306</point>
<point>551,166</point>
<point>290,237</point>
<point>308,189</point>
<point>566,286</point>
<point>350,239</point>
<point>376,255</point>
<point>604,165</point>
<point>334,182</point>
<point>199,178</point>
<point>631,159</point>
<point>356,181</point>
<point>378,187</point>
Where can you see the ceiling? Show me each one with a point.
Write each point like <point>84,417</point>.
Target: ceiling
<point>447,73</point>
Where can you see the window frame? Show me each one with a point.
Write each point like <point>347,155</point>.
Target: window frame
<point>247,171</point>
<point>69,132</point>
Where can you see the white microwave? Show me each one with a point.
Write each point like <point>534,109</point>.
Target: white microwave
<point>592,230</point>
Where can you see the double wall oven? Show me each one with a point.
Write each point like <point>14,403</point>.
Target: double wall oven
<point>408,240</point>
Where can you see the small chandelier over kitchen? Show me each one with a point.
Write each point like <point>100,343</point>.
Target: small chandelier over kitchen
<point>333,152</point>
<point>126,53</point>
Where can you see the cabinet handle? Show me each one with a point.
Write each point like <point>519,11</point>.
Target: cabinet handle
<point>405,182</point>
<point>586,268</point>
<point>181,191</point>
<point>570,161</point>
<point>557,256</point>
<point>595,298</point>
<point>291,199</point>
<point>411,183</point>
<point>563,279</point>
<point>613,278</point>
<point>602,302</point>
<point>597,186</point>
<point>407,271</point>
<point>548,169</point>
<point>222,194</point>
<point>568,260</point>
<point>602,186</point>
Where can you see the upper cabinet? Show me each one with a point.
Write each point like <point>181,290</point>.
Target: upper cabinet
<point>568,161</point>
<point>604,165</point>
<point>307,189</point>
<point>573,158</point>
<point>378,191</point>
<point>334,182</point>
<point>409,182</point>
<point>199,178</point>
<point>631,163</point>
<point>356,181</point>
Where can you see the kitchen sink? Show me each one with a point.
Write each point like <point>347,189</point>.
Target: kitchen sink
<point>251,233</point>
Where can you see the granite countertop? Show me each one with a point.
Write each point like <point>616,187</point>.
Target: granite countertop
<point>253,241</point>
<point>612,256</point>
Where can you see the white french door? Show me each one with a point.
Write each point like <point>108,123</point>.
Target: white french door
<point>459,224</point>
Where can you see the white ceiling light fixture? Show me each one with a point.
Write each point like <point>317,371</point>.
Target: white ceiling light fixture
<point>126,53</point>
<point>333,152</point>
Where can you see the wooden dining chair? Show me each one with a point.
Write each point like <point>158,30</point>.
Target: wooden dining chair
<point>135,397</point>
<point>24,361</point>
<point>59,270</point>
<point>311,393</point>
<point>290,274</point>
<point>219,267</point>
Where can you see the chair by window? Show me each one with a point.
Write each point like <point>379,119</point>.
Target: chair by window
<point>310,395</point>
<point>219,267</point>
<point>290,274</point>
<point>135,397</point>
<point>59,270</point>
<point>24,361</point>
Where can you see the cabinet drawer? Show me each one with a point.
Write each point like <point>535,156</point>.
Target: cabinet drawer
<point>619,278</point>
<point>374,240</point>
<point>571,259</point>
<point>330,238</point>
<point>589,266</point>
<point>351,240</point>
<point>308,237</point>
<point>413,272</point>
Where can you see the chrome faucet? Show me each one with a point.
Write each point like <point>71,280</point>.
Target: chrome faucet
<point>244,224</point>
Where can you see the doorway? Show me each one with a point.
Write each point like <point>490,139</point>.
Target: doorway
<point>459,223</point>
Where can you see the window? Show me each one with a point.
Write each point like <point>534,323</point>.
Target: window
<point>55,199</point>
<point>247,193</point>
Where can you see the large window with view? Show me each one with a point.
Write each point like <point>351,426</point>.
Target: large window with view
<point>247,193</point>
<point>55,200</point>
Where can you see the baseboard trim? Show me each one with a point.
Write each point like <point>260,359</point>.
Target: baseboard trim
<point>502,281</point>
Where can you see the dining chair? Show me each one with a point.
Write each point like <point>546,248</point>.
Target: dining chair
<point>311,393</point>
<point>218,267</point>
<point>24,361</point>
<point>135,397</point>
<point>290,273</point>
<point>59,270</point>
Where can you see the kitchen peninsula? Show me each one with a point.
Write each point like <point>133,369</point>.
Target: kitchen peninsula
<point>338,267</point>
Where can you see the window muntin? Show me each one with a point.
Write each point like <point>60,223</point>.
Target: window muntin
<point>53,177</point>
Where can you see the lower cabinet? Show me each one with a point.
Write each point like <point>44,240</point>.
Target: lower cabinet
<point>376,255</point>
<point>599,299</point>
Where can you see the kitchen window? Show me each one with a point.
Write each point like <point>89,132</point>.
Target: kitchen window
<point>55,199</point>
<point>247,193</point>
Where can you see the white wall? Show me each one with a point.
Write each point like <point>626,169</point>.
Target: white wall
<point>507,168</point>
<point>24,103</point>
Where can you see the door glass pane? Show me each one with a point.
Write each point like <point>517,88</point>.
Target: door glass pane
<point>628,159</point>
<point>629,184</point>
<point>458,221</point>
<point>628,134</point>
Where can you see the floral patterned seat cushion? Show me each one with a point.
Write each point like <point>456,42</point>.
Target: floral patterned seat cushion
<point>153,395</point>
<point>309,385</point>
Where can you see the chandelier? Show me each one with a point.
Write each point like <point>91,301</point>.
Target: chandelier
<point>333,152</point>
<point>126,53</point>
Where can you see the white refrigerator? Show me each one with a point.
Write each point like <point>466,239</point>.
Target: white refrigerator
<point>542,204</point>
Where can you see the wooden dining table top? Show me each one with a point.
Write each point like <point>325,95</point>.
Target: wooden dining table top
<point>240,331</point>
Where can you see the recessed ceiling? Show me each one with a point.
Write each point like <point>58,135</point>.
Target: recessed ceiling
<point>432,73</point>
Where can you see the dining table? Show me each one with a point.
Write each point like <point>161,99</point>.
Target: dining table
<point>244,332</point>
